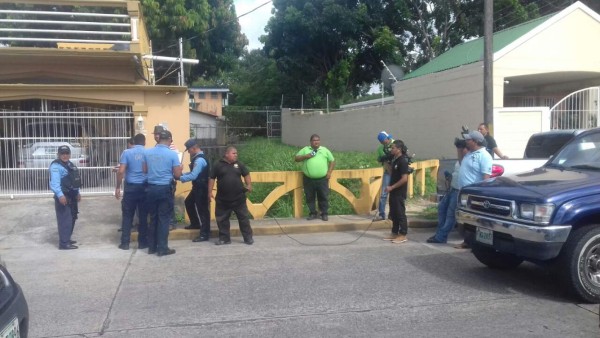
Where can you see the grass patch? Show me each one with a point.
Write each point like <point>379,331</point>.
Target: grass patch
<point>430,212</point>
<point>262,154</point>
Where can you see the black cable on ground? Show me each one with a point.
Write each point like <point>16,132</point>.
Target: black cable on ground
<point>308,244</point>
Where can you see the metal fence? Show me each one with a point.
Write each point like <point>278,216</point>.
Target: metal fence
<point>29,142</point>
<point>578,110</point>
<point>46,26</point>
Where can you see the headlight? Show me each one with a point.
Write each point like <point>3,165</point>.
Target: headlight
<point>536,212</point>
<point>463,200</point>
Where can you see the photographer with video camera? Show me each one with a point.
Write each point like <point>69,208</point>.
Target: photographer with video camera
<point>447,206</point>
<point>384,156</point>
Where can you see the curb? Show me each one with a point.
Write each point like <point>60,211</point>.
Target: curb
<point>271,226</point>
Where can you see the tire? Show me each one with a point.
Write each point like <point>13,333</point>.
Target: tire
<point>578,264</point>
<point>494,259</point>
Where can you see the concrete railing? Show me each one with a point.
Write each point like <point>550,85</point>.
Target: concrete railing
<point>291,181</point>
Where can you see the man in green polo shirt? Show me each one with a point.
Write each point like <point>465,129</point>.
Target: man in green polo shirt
<point>317,165</point>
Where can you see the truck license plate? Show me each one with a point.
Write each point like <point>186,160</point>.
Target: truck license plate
<point>484,235</point>
<point>11,330</point>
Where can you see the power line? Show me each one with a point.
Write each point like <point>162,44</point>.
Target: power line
<point>222,24</point>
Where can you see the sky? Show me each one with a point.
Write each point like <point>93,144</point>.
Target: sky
<point>253,24</point>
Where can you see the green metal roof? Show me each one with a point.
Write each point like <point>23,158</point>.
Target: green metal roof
<point>472,51</point>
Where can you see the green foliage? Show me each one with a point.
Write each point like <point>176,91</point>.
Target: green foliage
<point>261,154</point>
<point>256,81</point>
<point>430,212</point>
<point>326,47</point>
<point>209,29</point>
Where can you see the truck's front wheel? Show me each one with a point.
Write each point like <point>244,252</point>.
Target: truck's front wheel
<point>495,259</point>
<point>579,263</point>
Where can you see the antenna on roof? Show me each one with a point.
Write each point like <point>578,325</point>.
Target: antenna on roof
<point>390,75</point>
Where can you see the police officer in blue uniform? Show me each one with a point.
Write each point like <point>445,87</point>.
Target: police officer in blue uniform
<point>197,203</point>
<point>162,165</point>
<point>134,192</point>
<point>65,182</point>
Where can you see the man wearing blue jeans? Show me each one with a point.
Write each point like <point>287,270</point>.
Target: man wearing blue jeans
<point>447,206</point>
<point>162,165</point>
<point>384,156</point>
<point>134,192</point>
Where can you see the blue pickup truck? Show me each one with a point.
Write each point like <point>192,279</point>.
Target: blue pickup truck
<point>549,216</point>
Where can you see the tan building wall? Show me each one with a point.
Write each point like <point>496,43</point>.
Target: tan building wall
<point>208,103</point>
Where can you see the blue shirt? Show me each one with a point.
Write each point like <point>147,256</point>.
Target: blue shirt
<point>160,161</point>
<point>57,172</point>
<point>199,165</point>
<point>134,158</point>
<point>474,165</point>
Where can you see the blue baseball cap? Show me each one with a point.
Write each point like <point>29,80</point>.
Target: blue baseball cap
<point>383,135</point>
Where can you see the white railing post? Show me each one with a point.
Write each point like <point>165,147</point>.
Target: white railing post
<point>134,29</point>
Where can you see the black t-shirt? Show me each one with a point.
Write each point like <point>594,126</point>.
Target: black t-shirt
<point>399,168</point>
<point>490,144</point>
<point>229,184</point>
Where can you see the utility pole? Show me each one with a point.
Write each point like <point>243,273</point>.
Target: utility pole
<point>488,62</point>
<point>182,79</point>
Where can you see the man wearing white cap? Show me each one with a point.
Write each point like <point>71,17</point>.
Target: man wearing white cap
<point>476,166</point>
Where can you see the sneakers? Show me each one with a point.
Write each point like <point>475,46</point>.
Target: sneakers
<point>378,218</point>
<point>390,237</point>
<point>311,217</point>
<point>400,239</point>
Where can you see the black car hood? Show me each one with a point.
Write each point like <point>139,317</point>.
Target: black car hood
<point>540,185</point>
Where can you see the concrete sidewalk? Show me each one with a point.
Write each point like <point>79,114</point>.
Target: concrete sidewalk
<point>34,219</point>
<point>282,226</point>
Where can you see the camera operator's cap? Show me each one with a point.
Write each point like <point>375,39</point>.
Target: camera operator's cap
<point>64,150</point>
<point>383,135</point>
<point>474,135</point>
<point>165,135</point>
<point>190,143</point>
<point>158,129</point>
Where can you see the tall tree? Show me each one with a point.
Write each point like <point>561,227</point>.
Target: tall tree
<point>209,28</point>
<point>331,46</point>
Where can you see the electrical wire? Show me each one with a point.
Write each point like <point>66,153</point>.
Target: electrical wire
<point>213,28</point>
<point>336,244</point>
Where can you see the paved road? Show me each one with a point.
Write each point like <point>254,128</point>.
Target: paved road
<point>274,288</point>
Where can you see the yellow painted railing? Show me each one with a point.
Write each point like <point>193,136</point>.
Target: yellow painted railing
<point>291,181</point>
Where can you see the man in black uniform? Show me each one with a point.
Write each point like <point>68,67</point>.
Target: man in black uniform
<point>397,192</point>
<point>65,182</point>
<point>491,145</point>
<point>197,203</point>
<point>231,195</point>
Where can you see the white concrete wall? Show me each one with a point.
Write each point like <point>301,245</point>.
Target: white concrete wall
<point>514,126</point>
<point>427,115</point>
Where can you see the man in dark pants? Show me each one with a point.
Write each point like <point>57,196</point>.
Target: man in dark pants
<point>134,193</point>
<point>317,165</point>
<point>161,165</point>
<point>65,182</point>
<point>397,192</point>
<point>173,221</point>
<point>197,203</point>
<point>231,195</point>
